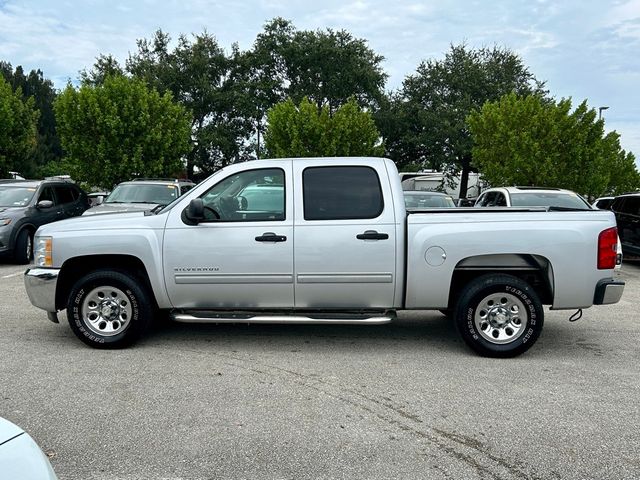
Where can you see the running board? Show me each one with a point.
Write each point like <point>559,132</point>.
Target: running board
<point>311,319</point>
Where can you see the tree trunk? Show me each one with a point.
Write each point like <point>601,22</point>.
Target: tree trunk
<point>190,162</point>
<point>464,176</point>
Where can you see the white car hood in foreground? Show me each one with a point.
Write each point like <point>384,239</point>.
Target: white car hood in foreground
<point>20,456</point>
<point>8,430</point>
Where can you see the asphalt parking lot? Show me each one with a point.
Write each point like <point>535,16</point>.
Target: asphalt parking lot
<point>406,400</point>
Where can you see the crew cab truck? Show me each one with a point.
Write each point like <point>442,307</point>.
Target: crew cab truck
<point>322,241</point>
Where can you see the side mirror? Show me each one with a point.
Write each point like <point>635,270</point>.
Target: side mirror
<point>44,204</point>
<point>194,213</point>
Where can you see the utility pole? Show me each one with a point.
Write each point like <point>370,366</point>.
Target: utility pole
<point>600,112</point>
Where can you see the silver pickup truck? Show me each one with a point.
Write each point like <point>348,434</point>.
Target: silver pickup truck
<point>322,241</point>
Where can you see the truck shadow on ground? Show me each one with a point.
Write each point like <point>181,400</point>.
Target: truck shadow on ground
<point>418,333</point>
<point>431,330</point>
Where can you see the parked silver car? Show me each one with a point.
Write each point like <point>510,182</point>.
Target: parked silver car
<point>142,194</point>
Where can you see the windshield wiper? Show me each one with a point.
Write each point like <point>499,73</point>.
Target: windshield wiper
<point>155,209</point>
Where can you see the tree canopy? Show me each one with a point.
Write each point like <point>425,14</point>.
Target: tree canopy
<point>304,131</point>
<point>18,120</point>
<point>34,85</point>
<point>119,130</point>
<point>230,93</point>
<point>425,122</point>
<point>532,141</point>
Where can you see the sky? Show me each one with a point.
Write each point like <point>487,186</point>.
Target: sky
<point>583,49</point>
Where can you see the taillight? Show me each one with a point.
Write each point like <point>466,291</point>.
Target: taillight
<point>607,248</point>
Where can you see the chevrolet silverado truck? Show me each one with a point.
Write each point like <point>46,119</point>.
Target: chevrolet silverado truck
<point>322,241</point>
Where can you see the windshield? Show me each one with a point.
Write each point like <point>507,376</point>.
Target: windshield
<point>15,196</point>
<point>549,199</point>
<point>421,200</point>
<point>143,193</point>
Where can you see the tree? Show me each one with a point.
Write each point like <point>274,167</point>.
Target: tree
<point>18,120</point>
<point>327,67</point>
<point>199,75</point>
<point>425,121</point>
<point>230,94</point>
<point>105,66</point>
<point>303,131</point>
<point>531,141</point>
<point>121,129</point>
<point>35,86</point>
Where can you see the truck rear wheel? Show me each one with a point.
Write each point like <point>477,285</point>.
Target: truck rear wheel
<point>109,309</point>
<point>499,315</point>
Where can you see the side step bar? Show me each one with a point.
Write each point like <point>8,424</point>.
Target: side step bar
<point>279,318</point>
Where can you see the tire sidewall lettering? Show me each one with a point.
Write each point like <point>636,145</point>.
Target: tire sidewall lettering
<point>470,302</point>
<point>79,322</point>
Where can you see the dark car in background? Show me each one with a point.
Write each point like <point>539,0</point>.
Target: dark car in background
<point>627,211</point>
<point>142,194</point>
<point>25,205</point>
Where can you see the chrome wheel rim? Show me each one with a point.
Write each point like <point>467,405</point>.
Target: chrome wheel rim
<point>107,311</point>
<point>500,318</point>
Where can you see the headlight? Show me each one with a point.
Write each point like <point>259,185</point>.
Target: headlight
<point>4,221</point>
<point>43,256</point>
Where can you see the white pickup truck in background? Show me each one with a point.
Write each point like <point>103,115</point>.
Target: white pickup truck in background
<point>322,241</point>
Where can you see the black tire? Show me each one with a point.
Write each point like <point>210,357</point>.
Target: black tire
<point>23,250</point>
<point>109,309</point>
<point>499,315</point>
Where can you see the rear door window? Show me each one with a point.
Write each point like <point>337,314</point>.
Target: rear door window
<point>64,194</point>
<point>632,206</point>
<point>341,193</point>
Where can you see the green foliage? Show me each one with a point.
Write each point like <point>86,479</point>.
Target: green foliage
<point>119,130</point>
<point>201,77</point>
<point>305,131</point>
<point>531,141</point>
<point>105,66</point>
<point>18,120</point>
<point>425,121</point>
<point>35,86</point>
<point>328,67</point>
<point>229,94</point>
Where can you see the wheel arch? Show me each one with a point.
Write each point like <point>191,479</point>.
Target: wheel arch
<point>75,268</point>
<point>536,270</point>
<point>31,228</point>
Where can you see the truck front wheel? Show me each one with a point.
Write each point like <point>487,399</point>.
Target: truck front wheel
<point>499,315</point>
<point>109,309</point>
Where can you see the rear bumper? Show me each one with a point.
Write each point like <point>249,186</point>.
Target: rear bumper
<point>41,287</point>
<point>608,291</point>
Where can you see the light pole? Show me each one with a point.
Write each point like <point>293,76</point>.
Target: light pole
<point>600,112</point>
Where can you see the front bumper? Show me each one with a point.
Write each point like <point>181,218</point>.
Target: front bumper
<point>41,287</point>
<point>608,291</point>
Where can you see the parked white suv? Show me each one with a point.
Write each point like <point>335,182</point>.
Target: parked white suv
<point>531,197</point>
